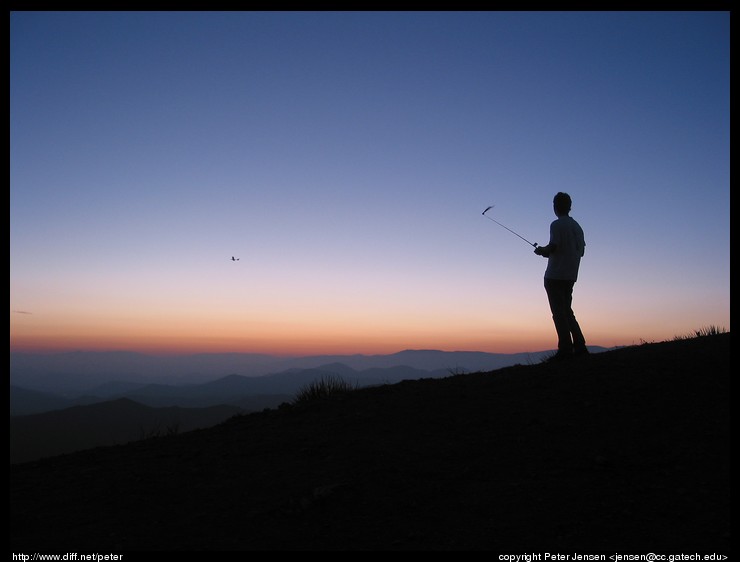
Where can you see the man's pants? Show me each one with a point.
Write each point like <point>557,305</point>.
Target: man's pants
<point>560,296</point>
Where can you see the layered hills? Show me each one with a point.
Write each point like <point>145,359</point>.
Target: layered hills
<point>626,450</point>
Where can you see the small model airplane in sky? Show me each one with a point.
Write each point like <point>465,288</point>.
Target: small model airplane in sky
<point>234,259</point>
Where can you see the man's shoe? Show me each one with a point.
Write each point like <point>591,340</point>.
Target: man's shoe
<point>582,352</point>
<point>559,356</point>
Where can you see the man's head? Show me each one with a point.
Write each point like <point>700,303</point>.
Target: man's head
<point>561,203</point>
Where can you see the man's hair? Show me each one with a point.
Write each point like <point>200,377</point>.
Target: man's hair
<point>562,202</point>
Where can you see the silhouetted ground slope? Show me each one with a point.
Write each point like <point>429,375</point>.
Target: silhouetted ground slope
<point>624,450</point>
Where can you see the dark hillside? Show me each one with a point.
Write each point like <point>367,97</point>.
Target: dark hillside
<point>118,421</point>
<point>626,450</point>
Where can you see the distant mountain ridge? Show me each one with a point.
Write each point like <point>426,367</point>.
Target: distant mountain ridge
<point>25,401</point>
<point>250,393</point>
<point>78,372</point>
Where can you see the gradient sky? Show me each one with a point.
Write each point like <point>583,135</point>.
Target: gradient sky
<point>346,159</point>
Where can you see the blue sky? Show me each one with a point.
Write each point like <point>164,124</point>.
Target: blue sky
<point>345,158</point>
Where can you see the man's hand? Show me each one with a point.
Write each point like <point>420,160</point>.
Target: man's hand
<point>543,251</point>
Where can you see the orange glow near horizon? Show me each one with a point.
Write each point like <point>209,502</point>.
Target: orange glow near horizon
<point>285,344</point>
<point>277,338</point>
<point>301,340</point>
<point>338,322</point>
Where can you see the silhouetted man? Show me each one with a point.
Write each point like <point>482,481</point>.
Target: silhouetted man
<point>564,252</point>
